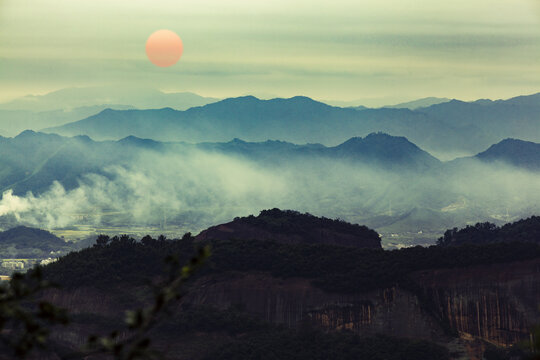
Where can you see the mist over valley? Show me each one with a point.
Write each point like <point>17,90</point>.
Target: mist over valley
<point>78,187</point>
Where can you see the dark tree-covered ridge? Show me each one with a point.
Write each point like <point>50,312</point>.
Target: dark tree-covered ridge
<point>527,230</point>
<point>329,267</point>
<point>293,227</point>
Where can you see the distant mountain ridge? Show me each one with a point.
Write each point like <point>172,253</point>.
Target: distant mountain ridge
<point>142,98</point>
<point>27,237</point>
<point>384,181</point>
<point>448,126</point>
<point>12,122</point>
<point>510,152</point>
<point>525,154</point>
<point>64,106</point>
<point>376,149</point>
<point>420,103</point>
<point>31,161</point>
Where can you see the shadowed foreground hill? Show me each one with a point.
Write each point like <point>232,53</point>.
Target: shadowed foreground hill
<point>466,294</point>
<point>292,227</point>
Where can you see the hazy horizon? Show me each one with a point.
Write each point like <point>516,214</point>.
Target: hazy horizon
<point>374,103</point>
<point>371,52</point>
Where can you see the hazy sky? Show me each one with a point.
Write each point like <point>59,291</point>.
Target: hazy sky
<point>376,51</point>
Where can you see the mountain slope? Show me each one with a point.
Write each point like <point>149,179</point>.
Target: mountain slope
<point>383,148</point>
<point>22,236</point>
<point>523,154</point>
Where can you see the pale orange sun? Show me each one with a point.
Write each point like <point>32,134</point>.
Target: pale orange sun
<point>164,48</point>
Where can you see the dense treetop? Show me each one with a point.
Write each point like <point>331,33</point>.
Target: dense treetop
<point>332,268</point>
<point>523,230</point>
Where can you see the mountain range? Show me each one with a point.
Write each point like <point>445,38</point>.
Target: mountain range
<point>68,105</point>
<point>133,96</point>
<point>31,161</point>
<point>384,181</point>
<point>453,127</point>
<point>12,122</point>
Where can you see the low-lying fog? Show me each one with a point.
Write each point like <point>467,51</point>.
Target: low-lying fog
<point>174,193</point>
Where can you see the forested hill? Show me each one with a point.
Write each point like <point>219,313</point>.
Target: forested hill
<point>319,279</point>
<point>292,227</point>
<point>527,230</point>
<point>330,267</point>
<point>26,237</point>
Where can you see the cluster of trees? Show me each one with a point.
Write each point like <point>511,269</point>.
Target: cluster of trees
<point>482,233</point>
<point>340,269</point>
<point>332,268</point>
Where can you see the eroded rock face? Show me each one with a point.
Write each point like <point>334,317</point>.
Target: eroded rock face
<point>496,303</point>
<point>488,303</point>
<point>391,311</point>
<point>493,303</point>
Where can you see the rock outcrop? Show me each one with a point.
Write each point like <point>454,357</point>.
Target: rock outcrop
<point>495,304</point>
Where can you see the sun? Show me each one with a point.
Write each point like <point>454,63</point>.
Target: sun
<point>164,48</point>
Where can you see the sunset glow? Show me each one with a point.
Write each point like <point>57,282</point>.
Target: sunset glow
<point>164,48</point>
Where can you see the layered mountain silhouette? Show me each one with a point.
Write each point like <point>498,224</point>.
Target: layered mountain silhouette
<point>68,105</point>
<point>70,98</point>
<point>31,161</point>
<point>381,180</point>
<point>453,126</point>
<point>12,122</point>
<point>378,149</point>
